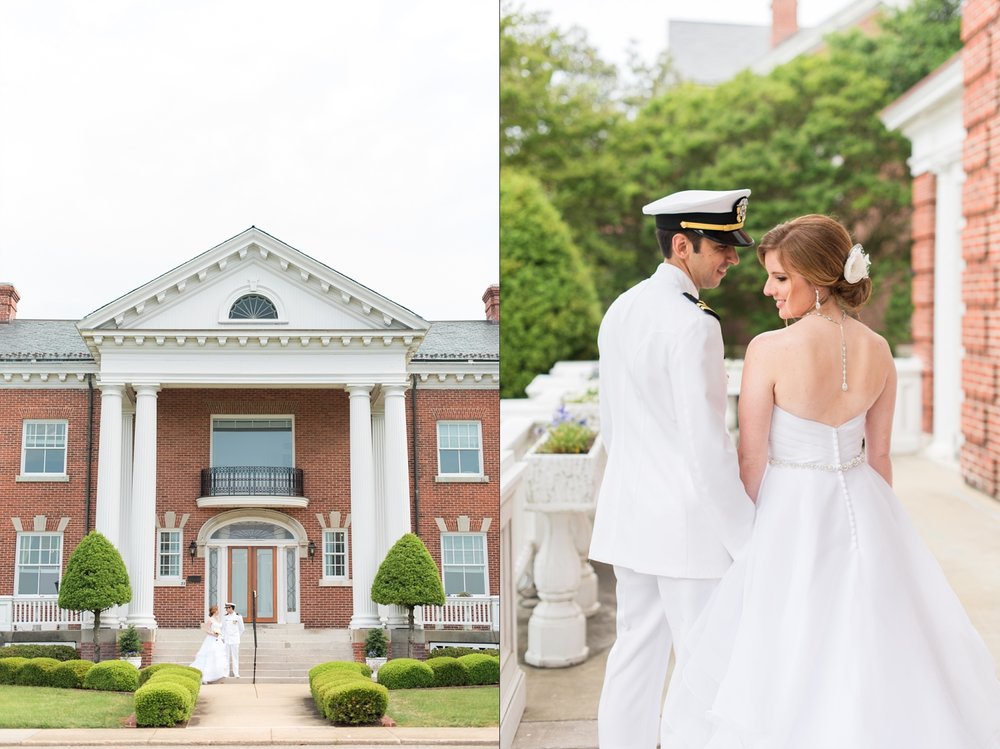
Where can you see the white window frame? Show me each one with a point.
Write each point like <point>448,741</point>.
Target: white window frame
<point>179,577</point>
<point>485,564</point>
<point>336,579</point>
<point>40,476</point>
<point>479,436</point>
<point>17,563</point>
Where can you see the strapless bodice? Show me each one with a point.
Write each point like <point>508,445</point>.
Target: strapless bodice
<point>796,440</point>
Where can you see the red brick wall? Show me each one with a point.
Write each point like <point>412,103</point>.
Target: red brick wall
<point>449,500</point>
<point>922,263</point>
<point>980,454</point>
<point>53,499</point>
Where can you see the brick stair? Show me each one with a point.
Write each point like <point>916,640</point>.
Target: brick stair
<point>285,652</point>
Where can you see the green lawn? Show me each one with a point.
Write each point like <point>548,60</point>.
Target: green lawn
<point>453,706</point>
<point>44,707</point>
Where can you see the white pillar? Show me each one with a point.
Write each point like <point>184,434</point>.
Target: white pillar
<point>378,470</point>
<point>397,477</point>
<point>109,466</point>
<point>142,535</point>
<point>363,532</point>
<point>128,548</point>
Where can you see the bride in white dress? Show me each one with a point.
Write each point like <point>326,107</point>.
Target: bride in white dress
<point>211,656</point>
<point>837,628</point>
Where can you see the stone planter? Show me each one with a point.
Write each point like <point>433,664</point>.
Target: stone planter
<point>563,489</point>
<point>135,660</point>
<point>375,664</point>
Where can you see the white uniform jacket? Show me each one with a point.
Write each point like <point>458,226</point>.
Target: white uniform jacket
<point>232,628</point>
<point>672,502</point>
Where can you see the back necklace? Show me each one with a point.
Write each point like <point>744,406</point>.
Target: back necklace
<point>843,342</point>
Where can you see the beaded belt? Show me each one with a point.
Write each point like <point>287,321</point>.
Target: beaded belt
<point>830,467</point>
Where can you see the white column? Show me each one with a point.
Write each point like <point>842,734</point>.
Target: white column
<point>397,477</point>
<point>109,466</point>
<point>142,533</point>
<point>378,470</point>
<point>363,533</point>
<point>128,549</point>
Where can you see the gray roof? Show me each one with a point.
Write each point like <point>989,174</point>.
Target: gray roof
<point>461,339</point>
<point>712,53</point>
<point>42,340</point>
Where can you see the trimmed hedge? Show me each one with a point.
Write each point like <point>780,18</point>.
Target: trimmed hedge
<point>168,694</point>
<point>9,668</point>
<point>59,652</point>
<point>37,672</point>
<point>70,674</point>
<point>345,694</point>
<point>112,676</point>
<point>456,652</point>
<point>483,669</point>
<point>448,672</point>
<point>406,673</point>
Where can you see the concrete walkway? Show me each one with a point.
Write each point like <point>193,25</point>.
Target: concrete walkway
<point>961,527</point>
<point>238,714</point>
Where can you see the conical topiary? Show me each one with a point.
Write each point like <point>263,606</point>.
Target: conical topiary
<point>95,580</point>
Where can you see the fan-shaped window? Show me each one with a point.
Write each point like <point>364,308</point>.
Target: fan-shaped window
<point>253,307</point>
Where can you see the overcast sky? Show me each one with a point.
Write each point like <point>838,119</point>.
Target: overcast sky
<point>136,134</point>
<point>612,25</point>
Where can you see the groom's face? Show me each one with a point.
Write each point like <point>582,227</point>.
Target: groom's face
<point>709,265</point>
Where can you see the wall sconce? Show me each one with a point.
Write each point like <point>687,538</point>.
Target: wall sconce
<point>312,549</point>
<point>193,549</point>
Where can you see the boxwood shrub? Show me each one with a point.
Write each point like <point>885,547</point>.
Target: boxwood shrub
<point>345,695</point>
<point>148,671</point>
<point>59,652</point>
<point>406,673</point>
<point>483,669</point>
<point>456,652</point>
<point>36,672</point>
<point>9,668</point>
<point>161,703</point>
<point>112,676</point>
<point>70,674</point>
<point>448,672</point>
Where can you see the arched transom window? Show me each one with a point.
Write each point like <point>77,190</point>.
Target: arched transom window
<point>253,307</point>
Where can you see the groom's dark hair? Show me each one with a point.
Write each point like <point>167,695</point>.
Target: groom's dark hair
<point>665,238</point>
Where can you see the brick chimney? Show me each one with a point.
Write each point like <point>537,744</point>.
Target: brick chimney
<point>8,302</point>
<point>784,21</point>
<point>492,300</point>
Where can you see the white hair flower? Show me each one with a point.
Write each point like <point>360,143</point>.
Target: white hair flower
<point>857,264</point>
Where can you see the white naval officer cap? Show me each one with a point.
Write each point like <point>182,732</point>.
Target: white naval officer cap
<point>716,214</point>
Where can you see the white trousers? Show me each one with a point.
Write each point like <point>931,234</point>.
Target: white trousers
<point>233,658</point>
<point>654,614</point>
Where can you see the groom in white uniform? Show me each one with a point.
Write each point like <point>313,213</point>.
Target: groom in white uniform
<point>232,628</point>
<point>672,512</point>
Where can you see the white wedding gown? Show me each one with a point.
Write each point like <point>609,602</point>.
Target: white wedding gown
<point>837,628</point>
<point>211,656</point>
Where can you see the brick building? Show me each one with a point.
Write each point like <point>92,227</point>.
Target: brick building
<point>251,420</point>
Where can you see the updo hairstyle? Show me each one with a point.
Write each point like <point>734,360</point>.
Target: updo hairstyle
<point>816,247</point>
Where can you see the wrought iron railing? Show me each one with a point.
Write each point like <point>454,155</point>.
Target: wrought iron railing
<point>251,481</point>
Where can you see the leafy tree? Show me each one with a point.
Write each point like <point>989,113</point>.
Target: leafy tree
<point>95,580</point>
<point>552,309</point>
<point>408,577</point>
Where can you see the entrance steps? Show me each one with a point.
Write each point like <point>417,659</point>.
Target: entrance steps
<point>285,652</point>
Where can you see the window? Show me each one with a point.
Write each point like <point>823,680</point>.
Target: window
<point>169,555</point>
<point>335,553</point>
<point>44,450</point>
<point>463,565</point>
<point>460,449</point>
<point>252,441</point>
<point>253,307</point>
<point>39,560</point>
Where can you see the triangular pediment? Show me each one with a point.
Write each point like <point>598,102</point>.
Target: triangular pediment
<point>307,295</point>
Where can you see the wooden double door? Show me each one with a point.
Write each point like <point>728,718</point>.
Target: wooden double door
<point>254,568</point>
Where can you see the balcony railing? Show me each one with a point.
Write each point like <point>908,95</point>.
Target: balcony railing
<point>35,613</point>
<point>251,481</point>
<point>478,612</point>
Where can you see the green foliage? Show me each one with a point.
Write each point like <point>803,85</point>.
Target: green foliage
<point>112,676</point>
<point>469,706</point>
<point>36,672</point>
<point>70,674</point>
<point>376,646</point>
<point>448,672</point>
<point>145,674</point>
<point>408,576</point>
<point>9,668</point>
<point>455,652</point>
<point>344,693</point>
<point>483,669</point>
<point>552,311</point>
<point>406,673</point>
<point>161,704</point>
<point>59,652</point>
<point>95,580</point>
<point>51,707</point>
<point>129,644</point>
<point>567,435</point>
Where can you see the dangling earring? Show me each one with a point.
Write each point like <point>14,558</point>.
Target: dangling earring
<point>817,300</point>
